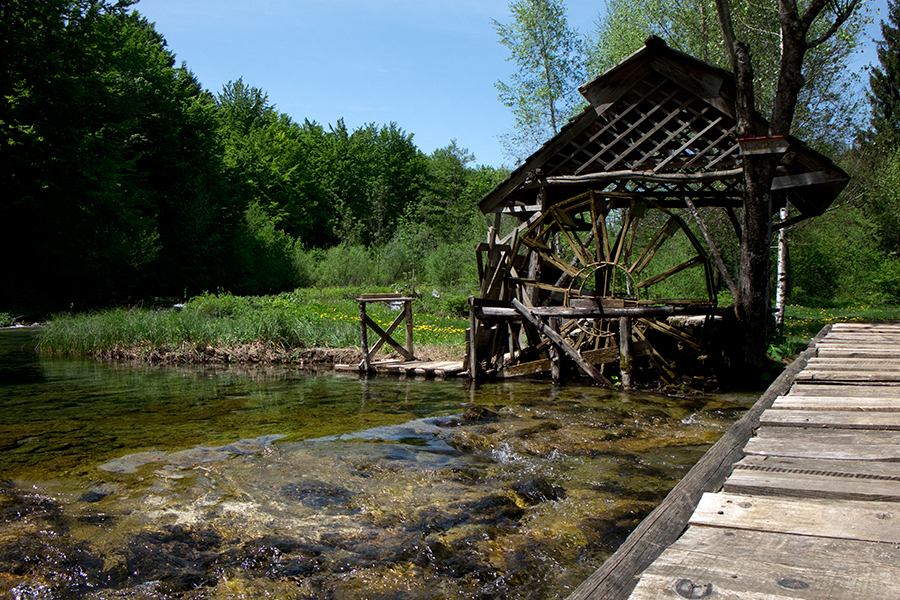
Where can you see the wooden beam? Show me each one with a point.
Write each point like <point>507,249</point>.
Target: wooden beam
<point>386,336</point>
<point>786,182</point>
<point>561,344</point>
<point>713,249</point>
<point>629,175</point>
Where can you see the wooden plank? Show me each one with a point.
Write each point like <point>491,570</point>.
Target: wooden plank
<point>850,363</point>
<point>864,469</point>
<point>618,575</point>
<point>869,340</point>
<point>857,352</point>
<point>876,390</point>
<point>863,376</point>
<point>849,403</point>
<point>833,419</point>
<point>826,443</point>
<point>391,297</point>
<point>815,478</point>
<point>844,519</point>
<point>750,565</point>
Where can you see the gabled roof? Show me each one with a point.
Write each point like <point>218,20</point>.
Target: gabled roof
<point>661,124</point>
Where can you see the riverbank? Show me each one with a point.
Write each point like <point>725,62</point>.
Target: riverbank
<point>316,327</point>
<point>260,353</point>
<point>307,327</point>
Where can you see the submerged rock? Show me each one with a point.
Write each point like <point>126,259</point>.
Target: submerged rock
<point>185,459</point>
<point>536,490</point>
<point>316,494</point>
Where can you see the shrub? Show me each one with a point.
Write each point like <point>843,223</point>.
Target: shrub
<point>452,266</point>
<point>343,266</point>
<point>218,306</point>
<point>264,255</point>
<point>887,279</point>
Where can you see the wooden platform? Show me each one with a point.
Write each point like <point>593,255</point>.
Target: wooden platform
<point>811,508</point>
<point>411,368</point>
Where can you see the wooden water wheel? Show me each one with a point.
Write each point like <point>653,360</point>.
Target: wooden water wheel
<point>615,251</point>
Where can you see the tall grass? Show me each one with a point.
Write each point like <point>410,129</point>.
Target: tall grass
<point>302,319</point>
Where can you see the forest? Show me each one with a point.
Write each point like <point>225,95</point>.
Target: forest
<point>127,182</point>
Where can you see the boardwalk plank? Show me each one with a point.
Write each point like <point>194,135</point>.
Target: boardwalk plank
<point>857,352</point>
<point>845,519</point>
<point>848,403</point>
<point>864,376</point>
<point>751,565</point>
<point>877,390</point>
<point>833,419</point>
<point>825,444</point>
<point>852,364</point>
<point>861,469</point>
<point>814,478</point>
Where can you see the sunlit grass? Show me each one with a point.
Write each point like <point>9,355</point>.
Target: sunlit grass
<point>802,324</point>
<point>326,318</point>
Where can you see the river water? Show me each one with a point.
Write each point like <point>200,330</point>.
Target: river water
<point>148,482</point>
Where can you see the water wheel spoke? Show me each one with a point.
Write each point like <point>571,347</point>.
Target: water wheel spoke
<point>558,263</point>
<point>535,244</point>
<point>621,238</point>
<point>544,286</point>
<point>581,253</point>
<point>671,227</point>
<point>599,212</point>
<point>668,273</point>
<point>604,237</point>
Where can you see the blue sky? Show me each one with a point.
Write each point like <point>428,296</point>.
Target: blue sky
<point>428,65</point>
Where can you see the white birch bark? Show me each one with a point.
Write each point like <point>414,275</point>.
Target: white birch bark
<point>781,274</point>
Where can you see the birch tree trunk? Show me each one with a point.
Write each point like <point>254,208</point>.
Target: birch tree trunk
<point>781,274</point>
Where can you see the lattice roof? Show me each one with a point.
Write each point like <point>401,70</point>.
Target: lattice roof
<point>661,124</point>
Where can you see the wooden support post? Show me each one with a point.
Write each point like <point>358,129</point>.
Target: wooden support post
<point>407,311</point>
<point>625,360</point>
<point>366,322</point>
<point>366,364</point>
<point>473,344</point>
<point>556,366</point>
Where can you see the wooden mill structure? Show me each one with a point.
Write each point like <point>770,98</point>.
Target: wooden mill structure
<point>609,245</point>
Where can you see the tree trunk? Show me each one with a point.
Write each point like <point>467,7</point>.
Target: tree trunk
<point>781,272</point>
<point>752,303</point>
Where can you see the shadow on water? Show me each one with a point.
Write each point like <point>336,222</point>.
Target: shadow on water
<point>150,482</point>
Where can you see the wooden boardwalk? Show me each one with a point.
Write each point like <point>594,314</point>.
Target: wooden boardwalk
<point>411,368</point>
<point>811,507</point>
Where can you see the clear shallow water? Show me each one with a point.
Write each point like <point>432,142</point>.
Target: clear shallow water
<point>147,482</point>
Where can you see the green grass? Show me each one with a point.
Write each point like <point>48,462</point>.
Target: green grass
<point>801,324</point>
<point>304,318</point>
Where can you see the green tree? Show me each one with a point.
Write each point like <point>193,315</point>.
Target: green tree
<point>884,82</point>
<point>542,92</point>
<point>101,132</point>
<point>269,160</point>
